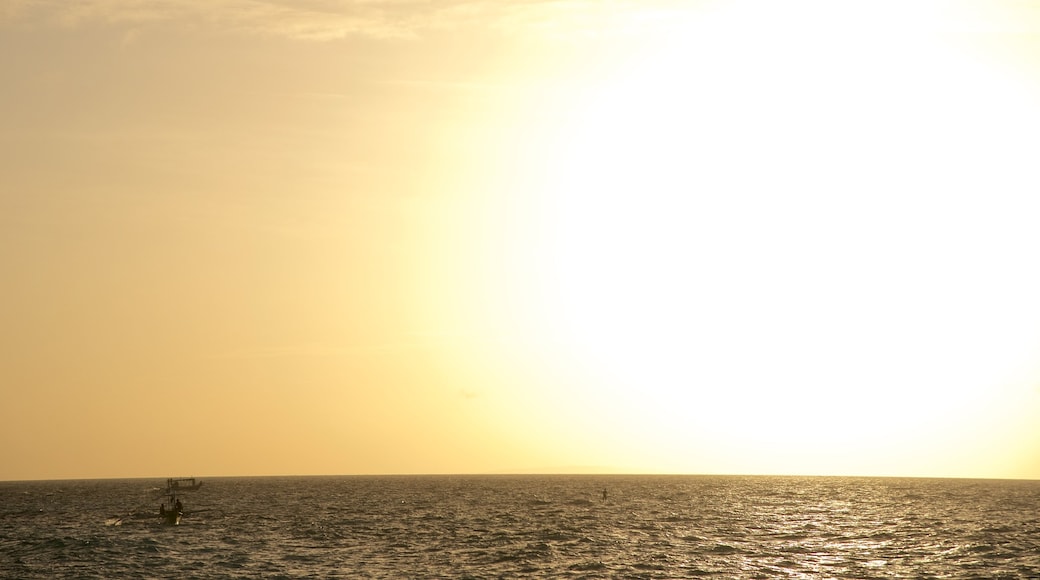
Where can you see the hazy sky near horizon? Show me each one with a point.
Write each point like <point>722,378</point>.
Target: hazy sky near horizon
<point>250,237</point>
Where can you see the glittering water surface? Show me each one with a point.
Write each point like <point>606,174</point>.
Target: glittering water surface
<point>526,526</point>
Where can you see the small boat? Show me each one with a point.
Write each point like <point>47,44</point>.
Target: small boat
<point>171,516</point>
<point>182,484</point>
<point>172,510</point>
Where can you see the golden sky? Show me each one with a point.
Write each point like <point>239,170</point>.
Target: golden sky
<point>250,237</point>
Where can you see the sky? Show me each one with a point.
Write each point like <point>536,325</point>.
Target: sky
<point>263,237</point>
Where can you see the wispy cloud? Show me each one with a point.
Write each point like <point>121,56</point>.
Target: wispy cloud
<point>310,20</point>
<point>328,19</point>
<point>334,19</point>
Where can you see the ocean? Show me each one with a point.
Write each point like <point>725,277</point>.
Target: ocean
<point>512,526</point>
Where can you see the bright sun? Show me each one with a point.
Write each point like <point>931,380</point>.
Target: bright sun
<point>803,241</point>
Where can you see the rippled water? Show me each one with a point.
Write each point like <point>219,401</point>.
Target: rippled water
<point>524,526</point>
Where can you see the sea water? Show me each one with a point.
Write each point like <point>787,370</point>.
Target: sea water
<point>525,526</point>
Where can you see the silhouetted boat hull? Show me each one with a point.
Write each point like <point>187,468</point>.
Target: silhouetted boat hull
<point>171,517</point>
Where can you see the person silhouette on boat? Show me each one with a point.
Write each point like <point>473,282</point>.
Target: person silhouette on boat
<point>162,510</point>
<point>180,506</point>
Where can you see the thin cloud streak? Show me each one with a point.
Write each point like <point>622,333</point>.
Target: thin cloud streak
<point>335,19</point>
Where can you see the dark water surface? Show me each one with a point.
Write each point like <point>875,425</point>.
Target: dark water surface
<point>526,526</point>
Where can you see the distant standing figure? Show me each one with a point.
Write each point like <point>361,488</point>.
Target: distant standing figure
<point>604,493</point>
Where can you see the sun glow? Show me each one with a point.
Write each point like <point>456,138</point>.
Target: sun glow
<point>801,240</point>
